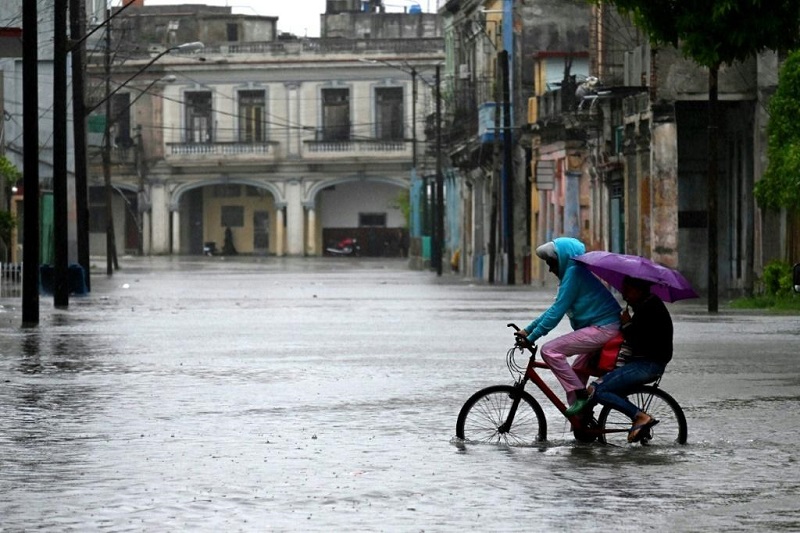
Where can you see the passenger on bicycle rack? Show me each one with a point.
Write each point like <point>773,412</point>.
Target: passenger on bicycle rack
<point>648,335</point>
<point>593,312</point>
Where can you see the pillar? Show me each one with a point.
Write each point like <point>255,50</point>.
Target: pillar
<point>664,226</point>
<point>176,231</point>
<point>159,218</point>
<point>294,219</point>
<point>311,234</point>
<point>280,230</point>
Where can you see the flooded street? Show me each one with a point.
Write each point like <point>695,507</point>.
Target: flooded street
<point>322,394</point>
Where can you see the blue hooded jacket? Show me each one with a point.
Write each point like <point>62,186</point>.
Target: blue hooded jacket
<point>580,295</point>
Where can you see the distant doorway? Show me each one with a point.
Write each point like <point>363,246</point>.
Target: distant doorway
<point>261,232</point>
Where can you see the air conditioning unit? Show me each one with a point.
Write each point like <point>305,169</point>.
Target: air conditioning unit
<point>463,71</point>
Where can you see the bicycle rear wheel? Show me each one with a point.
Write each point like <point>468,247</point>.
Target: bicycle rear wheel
<point>671,427</point>
<point>484,415</point>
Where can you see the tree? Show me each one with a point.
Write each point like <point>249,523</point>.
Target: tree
<point>780,186</point>
<point>8,172</point>
<point>713,33</point>
<point>9,175</point>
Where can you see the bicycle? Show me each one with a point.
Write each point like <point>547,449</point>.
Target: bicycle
<point>493,414</point>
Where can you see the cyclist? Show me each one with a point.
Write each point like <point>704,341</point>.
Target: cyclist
<point>593,312</point>
<point>648,335</point>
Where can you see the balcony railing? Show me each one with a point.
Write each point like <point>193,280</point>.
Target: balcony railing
<point>230,152</point>
<point>355,147</point>
<point>219,149</point>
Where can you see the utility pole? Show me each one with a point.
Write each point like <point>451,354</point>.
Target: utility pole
<point>496,168</point>
<point>414,120</point>
<point>60,218</point>
<point>77,12</point>
<point>30,164</point>
<point>111,252</point>
<point>439,223</point>
<point>508,174</point>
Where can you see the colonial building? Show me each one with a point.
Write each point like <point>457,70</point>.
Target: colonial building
<point>613,149</point>
<point>261,143</point>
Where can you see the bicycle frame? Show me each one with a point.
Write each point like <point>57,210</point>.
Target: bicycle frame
<point>576,421</point>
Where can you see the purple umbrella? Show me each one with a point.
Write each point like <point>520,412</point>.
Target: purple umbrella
<point>668,284</point>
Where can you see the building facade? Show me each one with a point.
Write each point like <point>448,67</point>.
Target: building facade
<point>262,143</point>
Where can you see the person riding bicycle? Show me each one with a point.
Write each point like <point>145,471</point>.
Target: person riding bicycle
<point>648,336</point>
<point>593,312</point>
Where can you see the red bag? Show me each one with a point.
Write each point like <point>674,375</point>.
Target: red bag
<point>606,358</point>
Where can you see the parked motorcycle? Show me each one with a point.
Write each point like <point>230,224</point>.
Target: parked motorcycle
<point>346,246</point>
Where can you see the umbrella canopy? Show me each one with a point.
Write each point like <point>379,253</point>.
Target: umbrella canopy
<point>668,284</point>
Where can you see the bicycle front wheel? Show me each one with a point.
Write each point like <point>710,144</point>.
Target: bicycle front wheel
<point>671,427</point>
<point>484,418</point>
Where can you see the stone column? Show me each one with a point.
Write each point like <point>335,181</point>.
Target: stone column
<point>176,231</point>
<point>294,218</point>
<point>572,203</point>
<point>159,218</point>
<point>311,234</point>
<point>147,237</point>
<point>664,226</point>
<point>280,233</point>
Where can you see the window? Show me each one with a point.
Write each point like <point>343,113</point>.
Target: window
<point>198,117</point>
<point>372,220</point>
<point>389,113</point>
<point>120,125</point>
<point>251,116</point>
<point>232,216</point>
<point>336,114</point>
<point>233,32</point>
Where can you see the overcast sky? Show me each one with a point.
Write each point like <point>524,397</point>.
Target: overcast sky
<point>300,17</point>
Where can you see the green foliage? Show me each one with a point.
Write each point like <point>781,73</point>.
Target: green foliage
<point>716,32</point>
<point>403,202</point>
<point>778,279</point>
<point>9,173</point>
<point>7,225</point>
<point>780,185</point>
<point>777,291</point>
<point>787,304</point>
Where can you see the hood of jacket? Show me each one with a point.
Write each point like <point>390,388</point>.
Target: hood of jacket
<point>567,248</point>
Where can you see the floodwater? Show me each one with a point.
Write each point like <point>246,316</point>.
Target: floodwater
<point>321,395</point>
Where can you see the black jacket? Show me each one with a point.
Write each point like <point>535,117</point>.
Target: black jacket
<point>649,333</point>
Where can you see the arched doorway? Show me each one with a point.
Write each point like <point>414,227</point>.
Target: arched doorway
<point>227,217</point>
<point>373,211</point>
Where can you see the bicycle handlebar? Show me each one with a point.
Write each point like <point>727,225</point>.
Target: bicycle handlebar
<point>521,341</point>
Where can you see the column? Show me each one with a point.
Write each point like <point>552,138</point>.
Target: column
<point>159,218</point>
<point>294,219</point>
<point>664,226</point>
<point>176,231</point>
<point>572,204</point>
<point>311,234</point>
<point>147,238</point>
<point>280,233</point>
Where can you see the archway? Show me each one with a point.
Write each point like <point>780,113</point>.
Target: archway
<point>373,210</point>
<point>226,216</point>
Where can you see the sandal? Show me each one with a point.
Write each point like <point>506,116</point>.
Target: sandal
<point>638,432</point>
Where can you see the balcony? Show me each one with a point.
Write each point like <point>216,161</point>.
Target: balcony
<point>376,148</point>
<point>231,152</point>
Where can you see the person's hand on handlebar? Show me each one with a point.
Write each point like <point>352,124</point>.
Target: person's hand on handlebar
<point>521,336</point>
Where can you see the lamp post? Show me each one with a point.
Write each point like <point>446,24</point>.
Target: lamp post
<point>111,251</point>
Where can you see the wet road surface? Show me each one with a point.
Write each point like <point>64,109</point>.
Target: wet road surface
<point>321,395</point>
